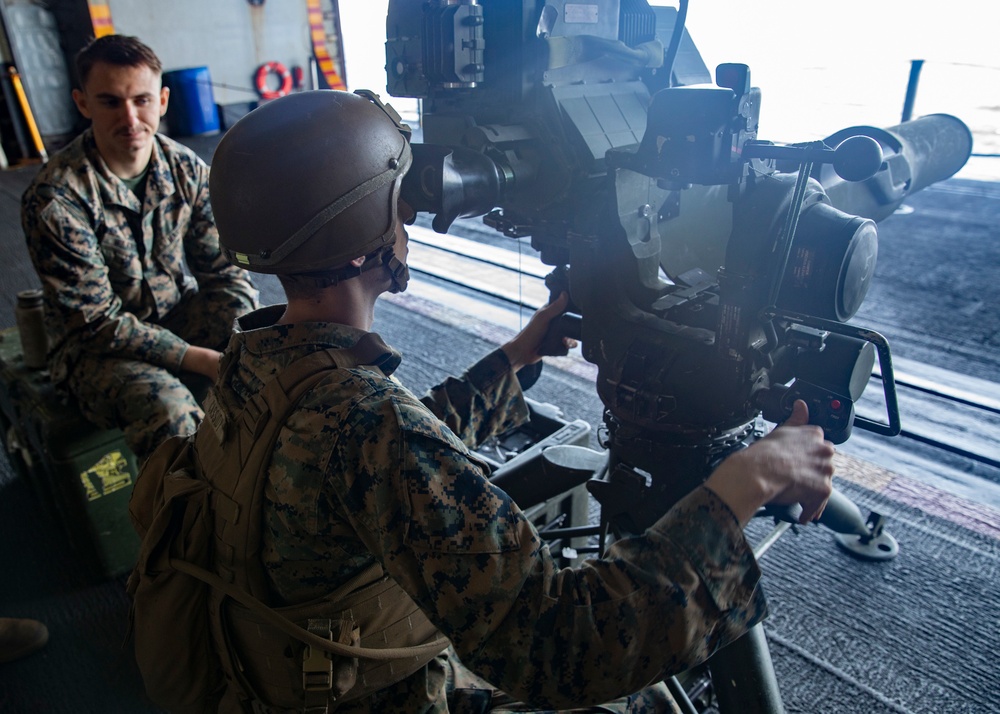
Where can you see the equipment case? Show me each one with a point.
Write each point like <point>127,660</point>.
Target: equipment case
<point>518,468</point>
<point>83,474</point>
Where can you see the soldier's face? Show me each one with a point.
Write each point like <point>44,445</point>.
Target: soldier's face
<point>125,105</point>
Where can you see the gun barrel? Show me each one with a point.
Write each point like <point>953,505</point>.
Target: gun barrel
<point>917,154</point>
<point>942,143</point>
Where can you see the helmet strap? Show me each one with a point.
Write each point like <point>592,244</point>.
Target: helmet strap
<point>399,273</point>
<point>329,278</point>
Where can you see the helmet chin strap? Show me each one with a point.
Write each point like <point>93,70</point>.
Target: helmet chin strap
<point>399,273</point>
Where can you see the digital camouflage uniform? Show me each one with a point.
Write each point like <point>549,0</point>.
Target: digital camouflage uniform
<point>120,309</point>
<point>363,470</point>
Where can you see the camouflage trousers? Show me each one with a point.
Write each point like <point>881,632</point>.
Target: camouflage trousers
<point>149,403</point>
<point>470,694</point>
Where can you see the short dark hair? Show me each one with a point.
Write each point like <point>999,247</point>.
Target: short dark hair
<point>119,50</point>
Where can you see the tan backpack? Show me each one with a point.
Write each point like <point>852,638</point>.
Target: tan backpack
<point>203,632</point>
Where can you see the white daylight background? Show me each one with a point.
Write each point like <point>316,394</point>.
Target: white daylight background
<point>821,66</point>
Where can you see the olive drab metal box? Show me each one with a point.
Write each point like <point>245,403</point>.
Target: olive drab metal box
<point>83,474</point>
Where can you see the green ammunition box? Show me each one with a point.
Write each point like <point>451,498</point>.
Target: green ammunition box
<point>83,474</point>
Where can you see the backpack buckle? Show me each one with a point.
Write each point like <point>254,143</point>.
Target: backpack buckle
<point>317,665</point>
<point>325,677</point>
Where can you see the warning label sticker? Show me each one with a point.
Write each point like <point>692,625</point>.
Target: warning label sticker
<point>108,475</point>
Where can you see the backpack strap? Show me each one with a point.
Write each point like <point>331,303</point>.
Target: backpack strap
<point>252,433</point>
<point>234,456</point>
<point>271,617</point>
<point>277,395</point>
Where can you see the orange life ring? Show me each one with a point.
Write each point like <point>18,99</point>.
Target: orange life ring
<point>283,74</point>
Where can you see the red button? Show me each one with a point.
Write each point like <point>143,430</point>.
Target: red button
<point>835,404</point>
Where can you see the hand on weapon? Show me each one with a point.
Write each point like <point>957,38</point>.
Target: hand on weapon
<point>530,344</point>
<point>793,464</point>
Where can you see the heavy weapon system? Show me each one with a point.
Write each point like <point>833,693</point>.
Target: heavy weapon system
<point>712,274</point>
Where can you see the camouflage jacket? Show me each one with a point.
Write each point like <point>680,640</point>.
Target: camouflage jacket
<point>364,470</point>
<point>111,268</point>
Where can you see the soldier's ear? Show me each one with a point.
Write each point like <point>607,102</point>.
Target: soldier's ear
<point>164,99</point>
<point>80,99</point>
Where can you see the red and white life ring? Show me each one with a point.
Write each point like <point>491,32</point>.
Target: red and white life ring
<point>283,74</point>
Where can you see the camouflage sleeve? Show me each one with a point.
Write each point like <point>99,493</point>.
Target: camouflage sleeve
<point>658,603</point>
<point>484,402</point>
<point>201,243</point>
<point>78,290</point>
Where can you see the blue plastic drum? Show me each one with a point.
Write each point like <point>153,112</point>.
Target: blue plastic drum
<point>191,110</point>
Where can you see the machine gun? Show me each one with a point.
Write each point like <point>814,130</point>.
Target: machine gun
<point>711,274</point>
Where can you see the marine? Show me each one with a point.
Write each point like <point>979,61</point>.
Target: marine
<point>365,475</point>
<point>138,297</point>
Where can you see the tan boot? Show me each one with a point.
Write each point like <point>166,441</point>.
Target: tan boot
<point>19,638</point>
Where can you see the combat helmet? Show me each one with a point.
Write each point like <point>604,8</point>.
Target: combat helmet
<point>308,182</point>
